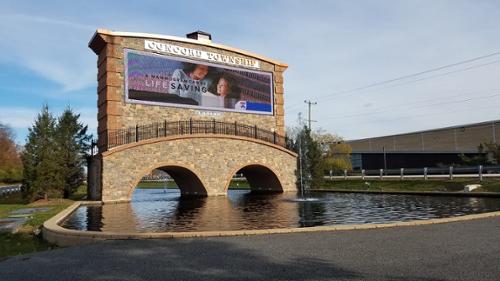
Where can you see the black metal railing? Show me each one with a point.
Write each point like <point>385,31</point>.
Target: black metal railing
<point>190,127</point>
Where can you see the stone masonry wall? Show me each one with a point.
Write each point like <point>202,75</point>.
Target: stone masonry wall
<point>213,158</point>
<point>114,113</point>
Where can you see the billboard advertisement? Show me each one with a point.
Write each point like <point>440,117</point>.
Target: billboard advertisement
<point>180,82</point>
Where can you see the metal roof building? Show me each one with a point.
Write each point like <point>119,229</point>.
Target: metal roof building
<point>424,148</point>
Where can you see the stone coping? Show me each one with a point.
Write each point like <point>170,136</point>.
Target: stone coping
<point>104,31</point>
<point>54,233</point>
<point>193,136</point>
<point>425,193</point>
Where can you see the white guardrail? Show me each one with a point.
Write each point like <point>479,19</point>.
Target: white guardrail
<point>415,177</point>
<point>478,172</point>
<point>9,189</point>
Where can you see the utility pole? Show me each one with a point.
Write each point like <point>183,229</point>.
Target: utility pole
<point>309,103</point>
<point>300,155</point>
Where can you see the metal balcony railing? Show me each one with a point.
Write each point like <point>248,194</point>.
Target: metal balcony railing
<point>190,127</point>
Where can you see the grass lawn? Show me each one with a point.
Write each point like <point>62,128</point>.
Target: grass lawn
<point>25,240</point>
<point>79,194</point>
<point>442,185</point>
<point>488,185</point>
<point>21,243</point>
<point>172,185</point>
<point>8,183</point>
<point>156,185</point>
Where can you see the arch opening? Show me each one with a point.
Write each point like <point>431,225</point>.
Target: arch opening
<point>174,177</point>
<point>261,179</point>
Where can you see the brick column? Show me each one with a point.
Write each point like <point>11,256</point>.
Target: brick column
<point>110,88</point>
<point>279,100</point>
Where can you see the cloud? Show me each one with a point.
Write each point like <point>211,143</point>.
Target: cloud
<point>357,46</point>
<point>42,20</point>
<point>330,46</point>
<point>71,76</point>
<point>53,49</point>
<point>18,117</point>
<point>23,117</point>
<point>88,116</point>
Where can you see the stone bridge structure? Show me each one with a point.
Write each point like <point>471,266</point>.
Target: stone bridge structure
<point>202,164</point>
<point>201,148</point>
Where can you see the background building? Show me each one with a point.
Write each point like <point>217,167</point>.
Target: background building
<point>430,148</point>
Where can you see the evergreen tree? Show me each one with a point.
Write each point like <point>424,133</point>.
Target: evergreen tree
<point>301,142</point>
<point>41,178</point>
<point>73,143</point>
<point>480,159</point>
<point>488,154</point>
<point>493,151</point>
<point>314,157</point>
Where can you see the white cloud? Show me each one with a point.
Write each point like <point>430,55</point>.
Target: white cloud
<point>54,49</point>
<point>88,116</point>
<point>42,20</point>
<point>365,44</point>
<point>18,117</point>
<point>23,117</point>
<point>330,46</point>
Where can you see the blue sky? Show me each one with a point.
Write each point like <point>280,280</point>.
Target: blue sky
<point>331,47</point>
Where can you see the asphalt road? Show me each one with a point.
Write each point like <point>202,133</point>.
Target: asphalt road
<point>453,251</point>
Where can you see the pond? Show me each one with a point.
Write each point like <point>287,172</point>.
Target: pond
<point>158,210</point>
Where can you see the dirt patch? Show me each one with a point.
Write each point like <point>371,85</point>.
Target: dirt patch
<point>50,202</point>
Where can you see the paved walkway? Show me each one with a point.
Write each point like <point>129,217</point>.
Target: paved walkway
<point>454,251</point>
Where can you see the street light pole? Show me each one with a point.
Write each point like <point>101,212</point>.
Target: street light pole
<point>385,159</point>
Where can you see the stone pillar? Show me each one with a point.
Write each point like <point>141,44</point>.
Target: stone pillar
<point>94,174</point>
<point>110,88</point>
<point>279,100</point>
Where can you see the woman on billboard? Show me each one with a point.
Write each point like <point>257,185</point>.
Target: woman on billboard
<point>190,82</point>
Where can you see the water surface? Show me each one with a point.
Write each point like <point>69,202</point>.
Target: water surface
<point>157,210</point>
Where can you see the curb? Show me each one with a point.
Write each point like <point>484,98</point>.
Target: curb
<point>424,193</point>
<point>55,234</point>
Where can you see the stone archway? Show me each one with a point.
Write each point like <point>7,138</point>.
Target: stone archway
<point>260,178</point>
<point>188,182</point>
<point>211,159</point>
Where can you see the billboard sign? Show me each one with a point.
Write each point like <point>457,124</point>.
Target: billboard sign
<point>200,54</point>
<point>181,82</point>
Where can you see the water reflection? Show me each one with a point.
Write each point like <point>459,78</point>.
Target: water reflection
<point>153,210</point>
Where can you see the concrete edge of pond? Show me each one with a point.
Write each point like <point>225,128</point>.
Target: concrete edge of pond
<point>55,234</point>
<point>425,193</point>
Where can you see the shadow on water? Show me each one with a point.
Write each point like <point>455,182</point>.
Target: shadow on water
<point>311,213</point>
<point>158,211</point>
<point>94,219</point>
